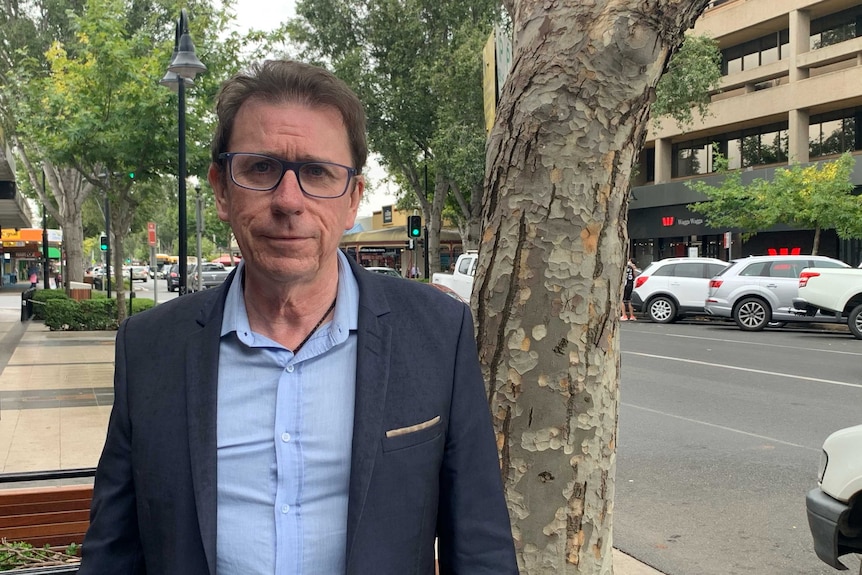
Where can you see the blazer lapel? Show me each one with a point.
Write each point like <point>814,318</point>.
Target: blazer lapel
<point>202,402</point>
<point>372,377</point>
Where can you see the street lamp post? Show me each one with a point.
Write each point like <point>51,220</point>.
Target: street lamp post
<point>199,227</point>
<point>185,65</point>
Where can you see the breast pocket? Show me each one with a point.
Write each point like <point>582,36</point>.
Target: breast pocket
<point>404,437</point>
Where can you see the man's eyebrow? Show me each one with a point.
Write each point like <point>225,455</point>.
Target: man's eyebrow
<point>297,158</point>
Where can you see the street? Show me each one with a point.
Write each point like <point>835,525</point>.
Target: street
<point>720,435</point>
<point>719,440</point>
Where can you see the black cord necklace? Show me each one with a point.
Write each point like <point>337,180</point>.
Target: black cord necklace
<point>314,329</point>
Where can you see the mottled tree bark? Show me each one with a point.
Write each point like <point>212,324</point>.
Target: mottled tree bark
<point>572,118</point>
<point>63,197</point>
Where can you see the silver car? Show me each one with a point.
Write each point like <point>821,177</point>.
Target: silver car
<point>759,290</point>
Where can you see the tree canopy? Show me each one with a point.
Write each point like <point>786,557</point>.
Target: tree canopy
<point>818,196</point>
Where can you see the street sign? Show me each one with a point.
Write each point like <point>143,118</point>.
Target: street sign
<point>151,233</point>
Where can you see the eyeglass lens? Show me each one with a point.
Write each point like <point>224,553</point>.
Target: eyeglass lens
<point>259,172</point>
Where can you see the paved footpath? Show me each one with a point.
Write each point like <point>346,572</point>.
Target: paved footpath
<point>56,391</point>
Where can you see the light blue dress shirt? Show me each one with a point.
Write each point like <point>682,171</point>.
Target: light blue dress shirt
<point>285,426</point>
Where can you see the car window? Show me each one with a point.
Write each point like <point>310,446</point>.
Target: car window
<point>666,270</point>
<point>786,269</point>
<point>714,270</point>
<point>755,269</point>
<point>827,264</point>
<point>689,270</point>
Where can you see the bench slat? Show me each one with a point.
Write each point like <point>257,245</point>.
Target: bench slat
<point>55,515</point>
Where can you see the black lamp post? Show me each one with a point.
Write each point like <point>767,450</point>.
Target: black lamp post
<point>184,67</point>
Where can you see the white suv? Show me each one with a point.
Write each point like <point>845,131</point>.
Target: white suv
<point>758,290</point>
<point>835,506</point>
<point>674,287</point>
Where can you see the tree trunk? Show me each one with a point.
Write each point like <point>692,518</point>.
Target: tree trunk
<point>63,196</point>
<point>816,245</point>
<point>570,123</point>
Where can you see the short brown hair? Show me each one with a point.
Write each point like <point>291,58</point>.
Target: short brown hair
<point>283,81</point>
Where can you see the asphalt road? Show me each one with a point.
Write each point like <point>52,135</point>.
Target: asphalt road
<point>719,440</point>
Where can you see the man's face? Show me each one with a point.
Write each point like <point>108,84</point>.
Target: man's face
<point>285,236</point>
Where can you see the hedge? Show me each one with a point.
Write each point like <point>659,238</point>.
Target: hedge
<point>87,315</point>
<point>42,296</point>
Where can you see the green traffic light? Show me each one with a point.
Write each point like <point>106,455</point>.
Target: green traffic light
<point>132,175</point>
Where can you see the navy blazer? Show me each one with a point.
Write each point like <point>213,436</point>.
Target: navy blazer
<point>154,503</point>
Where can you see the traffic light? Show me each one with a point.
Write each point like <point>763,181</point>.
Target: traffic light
<point>414,226</point>
<point>103,243</point>
<point>131,175</point>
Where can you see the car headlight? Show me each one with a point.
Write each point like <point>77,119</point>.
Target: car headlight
<point>821,471</point>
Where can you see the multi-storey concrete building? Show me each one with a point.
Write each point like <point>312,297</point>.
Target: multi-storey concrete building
<point>791,90</point>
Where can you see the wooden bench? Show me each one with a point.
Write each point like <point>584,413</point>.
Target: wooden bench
<point>55,515</point>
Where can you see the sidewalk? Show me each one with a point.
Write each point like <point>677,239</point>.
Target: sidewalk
<point>56,391</point>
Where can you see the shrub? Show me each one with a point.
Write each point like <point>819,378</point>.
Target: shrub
<point>63,314</point>
<point>42,296</point>
<point>90,314</point>
<point>141,304</point>
<point>100,314</point>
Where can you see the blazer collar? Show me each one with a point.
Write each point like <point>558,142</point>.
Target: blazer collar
<point>374,337</point>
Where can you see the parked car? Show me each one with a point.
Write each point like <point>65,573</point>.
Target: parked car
<point>674,287</point>
<point>835,506</point>
<point>212,275</point>
<point>461,278</point>
<point>139,273</point>
<point>450,292</point>
<point>172,277</point>
<point>384,271</point>
<point>99,279</point>
<point>757,290</point>
<point>832,292</point>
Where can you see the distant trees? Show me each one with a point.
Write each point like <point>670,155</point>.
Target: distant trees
<point>818,196</point>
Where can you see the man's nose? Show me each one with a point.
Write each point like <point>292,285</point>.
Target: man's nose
<point>288,196</point>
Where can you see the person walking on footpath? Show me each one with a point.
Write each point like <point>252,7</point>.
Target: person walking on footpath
<point>629,275</point>
<point>318,419</point>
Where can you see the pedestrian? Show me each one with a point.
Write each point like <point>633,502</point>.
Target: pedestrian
<point>629,275</point>
<point>34,277</point>
<point>319,418</point>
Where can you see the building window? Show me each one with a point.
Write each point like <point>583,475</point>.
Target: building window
<point>758,52</point>
<point>834,133</point>
<point>836,28</point>
<point>753,147</point>
<point>692,159</point>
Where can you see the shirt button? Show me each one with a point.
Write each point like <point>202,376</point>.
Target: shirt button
<point>285,437</point>
<point>289,369</point>
<point>285,508</point>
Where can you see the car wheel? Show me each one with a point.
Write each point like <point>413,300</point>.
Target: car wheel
<point>854,322</point>
<point>661,309</point>
<point>752,314</point>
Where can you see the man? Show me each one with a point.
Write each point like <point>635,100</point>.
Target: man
<point>629,274</point>
<point>308,417</point>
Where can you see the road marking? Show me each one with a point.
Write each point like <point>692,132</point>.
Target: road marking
<point>722,427</point>
<point>752,343</point>
<point>748,369</point>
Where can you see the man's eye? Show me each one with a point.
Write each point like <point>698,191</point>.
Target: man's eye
<point>261,167</point>
<point>319,171</point>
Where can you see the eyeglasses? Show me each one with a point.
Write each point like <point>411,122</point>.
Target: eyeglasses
<point>264,173</point>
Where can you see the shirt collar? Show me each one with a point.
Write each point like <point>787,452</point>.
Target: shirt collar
<point>345,319</point>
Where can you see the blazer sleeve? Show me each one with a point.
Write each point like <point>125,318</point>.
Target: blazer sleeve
<point>474,533</point>
<point>112,543</point>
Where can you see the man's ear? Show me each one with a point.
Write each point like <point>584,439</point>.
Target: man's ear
<point>218,182</point>
<point>354,198</point>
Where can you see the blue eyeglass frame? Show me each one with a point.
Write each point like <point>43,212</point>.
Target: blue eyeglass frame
<point>285,166</point>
